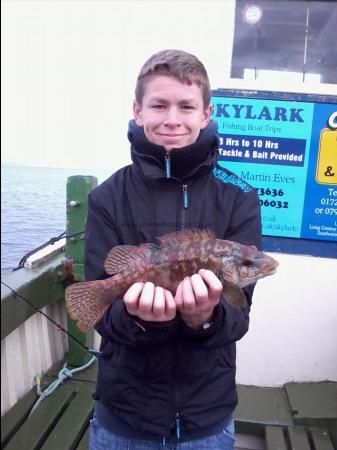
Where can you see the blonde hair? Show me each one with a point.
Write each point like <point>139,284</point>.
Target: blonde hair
<point>178,64</point>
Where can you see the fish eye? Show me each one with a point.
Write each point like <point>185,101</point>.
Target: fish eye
<point>247,263</point>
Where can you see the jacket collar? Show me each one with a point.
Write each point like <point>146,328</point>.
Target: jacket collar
<point>192,160</point>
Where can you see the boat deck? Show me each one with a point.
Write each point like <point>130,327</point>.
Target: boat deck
<point>301,416</point>
<point>298,416</point>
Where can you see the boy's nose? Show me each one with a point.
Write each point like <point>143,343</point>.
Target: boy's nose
<point>172,117</point>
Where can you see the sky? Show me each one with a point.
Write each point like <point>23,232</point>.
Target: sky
<point>69,70</point>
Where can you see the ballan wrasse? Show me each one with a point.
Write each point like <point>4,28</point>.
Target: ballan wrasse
<point>180,254</point>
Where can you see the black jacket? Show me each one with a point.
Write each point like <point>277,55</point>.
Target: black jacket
<point>150,380</point>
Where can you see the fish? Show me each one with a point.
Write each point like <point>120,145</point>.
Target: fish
<point>179,254</point>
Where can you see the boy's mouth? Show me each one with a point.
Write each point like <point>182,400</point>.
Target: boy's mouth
<point>171,135</point>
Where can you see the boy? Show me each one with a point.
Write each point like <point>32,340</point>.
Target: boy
<point>167,371</point>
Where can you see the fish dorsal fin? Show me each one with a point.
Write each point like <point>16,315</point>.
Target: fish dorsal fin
<point>234,295</point>
<point>123,256</point>
<point>190,234</point>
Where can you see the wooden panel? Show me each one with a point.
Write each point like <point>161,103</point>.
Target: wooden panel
<point>40,286</point>
<point>36,344</point>
<point>264,405</point>
<point>298,438</point>
<point>313,404</point>
<point>321,439</point>
<point>39,425</point>
<point>62,422</point>
<point>71,426</point>
<point>15,417</point>
<point>84,442</point>
<point>275,438</point>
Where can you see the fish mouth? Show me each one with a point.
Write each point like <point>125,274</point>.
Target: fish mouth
<point>267,270</point>
<point>259,266</point>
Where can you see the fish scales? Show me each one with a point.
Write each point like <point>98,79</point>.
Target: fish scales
<point>167,267</point>
<point>184,260</point>
<point>179,254</point>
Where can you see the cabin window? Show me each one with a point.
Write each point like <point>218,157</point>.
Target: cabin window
<point>285,40</point>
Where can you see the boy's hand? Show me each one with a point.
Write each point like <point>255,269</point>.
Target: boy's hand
<point>149,302</point>
<point>197,296</point>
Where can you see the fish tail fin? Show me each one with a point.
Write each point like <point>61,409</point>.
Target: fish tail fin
<point>85,303</point>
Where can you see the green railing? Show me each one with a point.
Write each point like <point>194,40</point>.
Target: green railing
<point>41,286</point>
<point>46,284</point>
<point>78,188</point>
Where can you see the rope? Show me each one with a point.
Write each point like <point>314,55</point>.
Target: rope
<point>50,242</point>
<point>63,375</point>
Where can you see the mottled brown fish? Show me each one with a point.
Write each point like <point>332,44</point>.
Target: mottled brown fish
<point>180,254</point>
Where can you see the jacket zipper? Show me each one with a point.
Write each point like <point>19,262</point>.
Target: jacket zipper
<point>167,165</point>
<point>177,399</point>
<point>177,417</point>
<point>175,374</point>
<point>184,186</point>
<point>185,196</point>
<point>183,220</point>
<point>185,205</point>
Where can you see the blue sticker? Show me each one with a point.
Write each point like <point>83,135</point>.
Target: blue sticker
<point>274,145</point>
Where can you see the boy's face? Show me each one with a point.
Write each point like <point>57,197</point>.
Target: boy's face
<point>172,112</point>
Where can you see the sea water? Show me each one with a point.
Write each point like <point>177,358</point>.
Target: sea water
<point>33,208</point>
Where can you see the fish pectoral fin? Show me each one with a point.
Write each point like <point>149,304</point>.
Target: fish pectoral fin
<point>123,256</point>
<point>234,295</point>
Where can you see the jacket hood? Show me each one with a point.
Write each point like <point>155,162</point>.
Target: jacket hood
<point>195,159</point>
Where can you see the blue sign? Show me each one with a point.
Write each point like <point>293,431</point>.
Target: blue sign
<point>286,147</point>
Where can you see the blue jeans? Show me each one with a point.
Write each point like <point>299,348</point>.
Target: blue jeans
<point>102,439</point>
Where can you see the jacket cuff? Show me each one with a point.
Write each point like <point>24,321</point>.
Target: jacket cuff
<point>201,334</point>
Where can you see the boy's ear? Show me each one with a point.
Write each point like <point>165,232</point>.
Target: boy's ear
<point>137,113</point>
<point>207,116</point>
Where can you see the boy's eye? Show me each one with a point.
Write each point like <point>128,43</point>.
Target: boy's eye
<point>158,106</point>
<point>187,107</point>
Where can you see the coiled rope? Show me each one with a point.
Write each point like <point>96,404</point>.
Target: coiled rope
<point>63,375</point>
